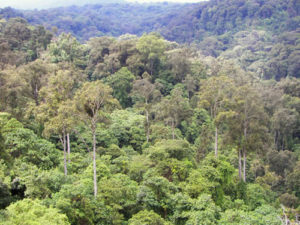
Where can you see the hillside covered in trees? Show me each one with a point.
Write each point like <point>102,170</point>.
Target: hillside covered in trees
<point>196,124</point>
<point>262,36</point>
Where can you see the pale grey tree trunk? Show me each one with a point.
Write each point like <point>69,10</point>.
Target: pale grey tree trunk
<point>63,141</point>
<point>148,128</point>
<point>173,130</point>
<point>216,142</point>
<point>94,163</point>
<point>245,159</point>
<point>240,165</point>
<point>69,147</point>
<point>244,151</point>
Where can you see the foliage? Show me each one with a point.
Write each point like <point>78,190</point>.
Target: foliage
<point>33,212</point>
<point>196,120</point>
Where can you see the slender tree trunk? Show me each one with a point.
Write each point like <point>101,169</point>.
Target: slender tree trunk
<point>94,162</point>
<point>148,128</point>
<point>244,151</point>
<point>63,141</point>
<point>36,93</point>
<point>245,159</point>
<point>69,147</point>
<point>240,165</point>
<point>216,142</point>
<point>173,130</point>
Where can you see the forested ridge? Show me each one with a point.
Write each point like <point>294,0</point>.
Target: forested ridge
<point>140,129</point>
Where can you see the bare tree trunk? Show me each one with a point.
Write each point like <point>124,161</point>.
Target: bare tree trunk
<point>94,163</point>
<point>148,128</point>
<point>244,151</point>
<point>173,130</point>
<point>216,142</point>
<point>240,165</point>
<point>63,142</point>
<point>244,165</point>
<point>69,147</point>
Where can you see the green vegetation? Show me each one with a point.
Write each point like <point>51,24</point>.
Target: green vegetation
<point>142,130</point>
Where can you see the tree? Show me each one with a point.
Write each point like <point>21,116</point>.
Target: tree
<point>22,143</point>
<point>190,84</point>
<point>144,93</point>
<point>173,109</point>
<point>92,101</point>
<point>121,83</point>
<point>203,211</point>
<point>247,125</point>
<point>152,47</point>
<point>147,218</point>
<point>32,212</point>
<point>35,74</point>
<point>56,110</point>
<point>128,129</point>
<point>178,61</point>
<point>67,49</point>
<point>12,90</point>
<point>215,93</point>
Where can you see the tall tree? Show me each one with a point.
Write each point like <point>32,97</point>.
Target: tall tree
<point>92,101</point>
<point>35,74</point>
<point>215,95</point>
<point>152,47</point>
<point>144,93</point>
<point>247,126</point>
<point>173,109</point>
<point>55,110</point>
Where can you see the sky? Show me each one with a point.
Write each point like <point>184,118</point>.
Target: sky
<point>40,4</point>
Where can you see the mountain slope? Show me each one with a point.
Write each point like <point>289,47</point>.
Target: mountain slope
<point>261,36</point>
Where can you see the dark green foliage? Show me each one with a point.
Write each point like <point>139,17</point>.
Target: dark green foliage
<point>121,83</point>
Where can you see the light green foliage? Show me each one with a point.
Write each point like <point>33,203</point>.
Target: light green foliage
<point>257,196</point>
<point>128,128</point>
<point>203,211</point>
<point>173,109</point>
<point>39,183</point>
<point>68,49</point>
<point>32,212</point>
<point>93,99</point>
<point>138,166</point>
<point>155,193</point>
<point>103,170</point>
<point>262,215</point>
<point>173,159</point>
<point>152,47</point>
<point>75,201</point>
<point>178,149</point>
<point>159,132</point>
<point>119,192</point>
<point>5,180</point>
<point>213,177</point>
<point>147,218</point>
<point>23,143</point>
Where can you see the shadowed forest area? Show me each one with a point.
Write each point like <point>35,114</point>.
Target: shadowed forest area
<point>151,114</point>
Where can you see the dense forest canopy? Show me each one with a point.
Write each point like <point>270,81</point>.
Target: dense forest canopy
<point>104,121</point>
